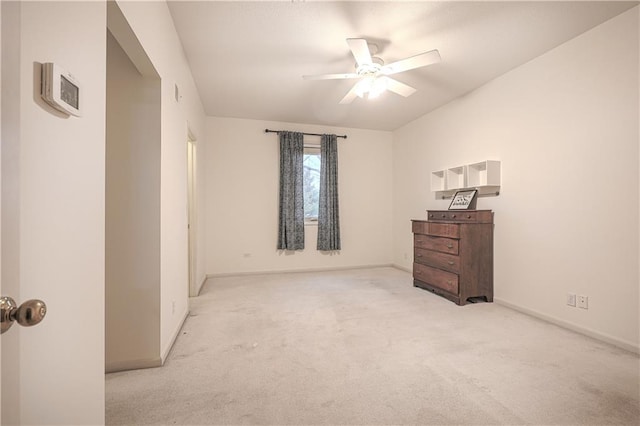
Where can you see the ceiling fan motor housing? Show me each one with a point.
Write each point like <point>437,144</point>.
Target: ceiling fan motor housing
<point>373,67</point>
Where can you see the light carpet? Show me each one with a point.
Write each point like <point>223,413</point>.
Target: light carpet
<point>366,347</point>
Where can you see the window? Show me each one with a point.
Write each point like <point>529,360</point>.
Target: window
<point>311,182</point>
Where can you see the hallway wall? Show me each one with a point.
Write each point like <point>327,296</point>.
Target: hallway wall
<point>132,263</point>
<point>153,27</point>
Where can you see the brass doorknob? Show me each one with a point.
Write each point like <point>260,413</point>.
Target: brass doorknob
<point>29,313</point>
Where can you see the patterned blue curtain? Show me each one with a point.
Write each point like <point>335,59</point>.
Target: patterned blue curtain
<point>291,215</point>
<point>328,215</point>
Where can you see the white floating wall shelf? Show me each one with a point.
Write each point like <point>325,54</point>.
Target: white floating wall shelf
<point>456,178</point>
<point>485,173</point>
<point>484,176</point>
<point>437,180</point>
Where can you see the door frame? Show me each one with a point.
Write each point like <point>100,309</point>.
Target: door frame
<point>192,222</point>
<point>1,207</point>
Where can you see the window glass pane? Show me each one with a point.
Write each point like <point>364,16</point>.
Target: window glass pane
<point>311,182</point>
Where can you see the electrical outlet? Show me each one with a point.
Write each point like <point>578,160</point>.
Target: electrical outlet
<point>571,299</point>
<point>583,302</point>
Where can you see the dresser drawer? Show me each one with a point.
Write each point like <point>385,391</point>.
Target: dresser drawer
<point>438,229</point>
<point>439,215</point>
<point>436,259</point>
<point>444,245</point>
<point>460,216</point>
<point>450,230</point>
<point>446,281</point>
<point>420,227</point>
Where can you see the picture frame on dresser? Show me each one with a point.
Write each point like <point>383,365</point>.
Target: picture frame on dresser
<point>464,200</point>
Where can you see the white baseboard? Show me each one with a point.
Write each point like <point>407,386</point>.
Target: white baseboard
<point>628,346</point>
<point>136,364</point>
<point>176,333</point>
<point>403,268</point>
<point>199,289</point>
<point>294,271</point>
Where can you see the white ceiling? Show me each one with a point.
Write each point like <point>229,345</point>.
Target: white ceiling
<point>248,58</point>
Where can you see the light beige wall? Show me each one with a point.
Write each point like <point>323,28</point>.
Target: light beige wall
<point>565,127</point>
<point>56,188</point>
<point>242,199</point>
<point>132,215</point>
<point>153,27</point>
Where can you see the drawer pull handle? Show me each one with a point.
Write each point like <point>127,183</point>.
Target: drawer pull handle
<point>450,262</point>
<point>449,282</point>
<point>468,216</point>
<point>444,215</point>
<point>453,217</point>
<point>419,255</point>
<point>431,215</point>
<point>450,246</point>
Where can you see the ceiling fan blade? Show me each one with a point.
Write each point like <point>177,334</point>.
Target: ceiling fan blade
<point>417,61</point>
<point>330,76</point>
<point>350,96</point>
<point>398,87</point>
<point>360,50</point>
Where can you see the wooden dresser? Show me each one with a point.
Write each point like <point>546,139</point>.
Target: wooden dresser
<point>453,254</point>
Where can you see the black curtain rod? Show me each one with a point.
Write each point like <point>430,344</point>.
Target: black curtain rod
<point>308,134</point>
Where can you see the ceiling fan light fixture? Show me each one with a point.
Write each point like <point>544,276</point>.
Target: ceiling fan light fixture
<point>371,87</point>
<point>364,86</point>
<point>378,87</point>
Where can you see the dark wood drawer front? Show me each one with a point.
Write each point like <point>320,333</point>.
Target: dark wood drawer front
<point>461,216</point>
<point>438,215</point>
<point>438,229</point>
<point>446,281</point>
<point>419,227</point>
<point>450,230</point>
<point>436,259</point>
<point>445,245</point>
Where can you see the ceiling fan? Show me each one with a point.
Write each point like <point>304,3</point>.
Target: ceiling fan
<point>374,74</point>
